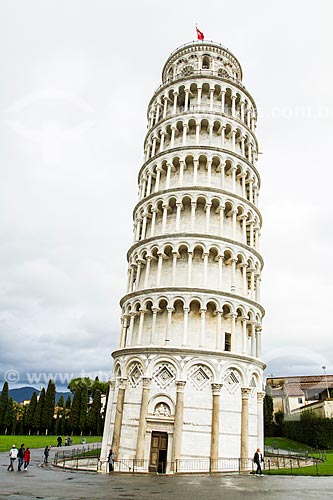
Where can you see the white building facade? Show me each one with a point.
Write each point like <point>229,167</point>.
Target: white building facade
<point>186,387</point>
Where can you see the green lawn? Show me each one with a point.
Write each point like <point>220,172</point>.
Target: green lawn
<point>6,442</point>
<point>286,444</point>
<point>322,469</point>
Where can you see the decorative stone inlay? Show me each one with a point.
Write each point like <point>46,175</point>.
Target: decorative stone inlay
<point>162,410</point>
<point>232,381</point>
<point>135,374</point>
<point>200,377</point>
<point>164,375</point>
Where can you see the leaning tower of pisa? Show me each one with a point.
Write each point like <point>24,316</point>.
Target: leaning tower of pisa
<point>186,390</point>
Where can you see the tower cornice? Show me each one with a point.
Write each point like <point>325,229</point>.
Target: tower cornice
<point>202,236</point>
<point>191,290</point>
<point>199,149</point>
<point>200,189</point>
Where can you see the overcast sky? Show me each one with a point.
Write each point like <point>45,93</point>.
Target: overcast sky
<point>76,78</point>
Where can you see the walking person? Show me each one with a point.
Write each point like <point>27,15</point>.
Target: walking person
<point>59,441</point>
<point>20,456</point>
<point>258,459</point>
<point>111,460</point>
<point>26,459</point>
<point>12,456</point>
<point>46,454</point>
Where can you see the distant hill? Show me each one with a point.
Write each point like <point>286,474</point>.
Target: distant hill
<point>24,393</point>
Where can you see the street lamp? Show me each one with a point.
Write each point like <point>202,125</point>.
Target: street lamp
<point>328,392</point>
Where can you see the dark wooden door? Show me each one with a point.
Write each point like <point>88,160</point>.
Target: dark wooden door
<point>158,452</point>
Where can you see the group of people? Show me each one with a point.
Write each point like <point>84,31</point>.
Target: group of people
<point>68,441</point>
<point>23,456</point>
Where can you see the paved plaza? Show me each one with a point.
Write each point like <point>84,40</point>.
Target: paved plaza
<point>50,483</point>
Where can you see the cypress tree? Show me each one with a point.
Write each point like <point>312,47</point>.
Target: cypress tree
<point>48,408</point>
<point>3,404</point>
<point>61,403</point>
<point>8,416</point>
<point>94,414</point>
<point>37,418</point>
<point>83,409</point>
<point>74,416</point>
<point>268,416</point>
<point>30,412</point>
<point>68,402</point>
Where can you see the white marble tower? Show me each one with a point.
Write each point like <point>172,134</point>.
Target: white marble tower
<point>187,377</point>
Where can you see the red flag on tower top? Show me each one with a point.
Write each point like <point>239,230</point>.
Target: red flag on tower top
<point>200,34</point>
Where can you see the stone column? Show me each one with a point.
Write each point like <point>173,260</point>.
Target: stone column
<point>106,443</point>
<point>244,454</point>
<point>131,325</point>
<point>233,274</point>
<point>118,418</point>
<point>178,423</point>
<point>168,175</point>
<point>185,331</point>
<point>153,221</point>
<point>260,419</point>
<point>189,268</point>
<point>220,275</point>
<point>158,177</point>
<point>205,266</point>
<point>258,341</point>
<point>193,208</point>
<point>222,101</point>
<point>244,291</point>
<point>147,273</point>
<point>164,217</point>
<point>181,171</point>
<point>159,269</point>
<point>123,330</point>
<point>253,338</point>
<point>214,442</point>
<point>244,335</point>
<point>142,316</point>
<point>211,98</point>
<point>179,207</point>
<point>202,327</point>
<point>233,105</point>
<point>187,91</point>
<point>218,328</point>
<point>221,220</point>
<point>153,326</point>
<point>170,310</point>
<point>174,267</point>
<point>207,208</point>
<point>140,444</point>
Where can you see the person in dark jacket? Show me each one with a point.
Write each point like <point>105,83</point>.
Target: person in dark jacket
<point>20,456</point>
<point>46,454</point>
<point>258,459</point>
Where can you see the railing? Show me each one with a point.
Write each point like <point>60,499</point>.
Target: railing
<point>83,458</point>
<point>199,72</point>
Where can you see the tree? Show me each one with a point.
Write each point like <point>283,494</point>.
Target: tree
<point>61,403</point>
<point>94,415</point>
<point>74,416</point>
<point>30,412</point>
<point>83,409</point>
<point>48,408</point>
<point>68,402</point>
<point>8,416</point>
<point>268,416</point>
<point>37,418</point>
<point>3,404</point>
